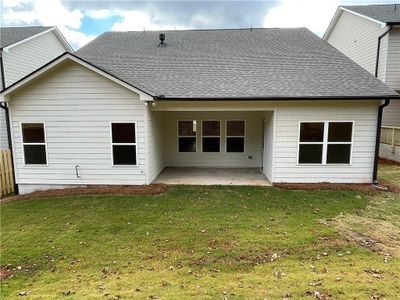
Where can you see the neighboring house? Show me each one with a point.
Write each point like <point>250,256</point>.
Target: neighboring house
<point>129,104</point>
<point>23,50</point>
<point>370,35</point>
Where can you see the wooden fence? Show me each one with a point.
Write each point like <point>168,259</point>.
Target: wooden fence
<point>390,135</point>
<point>6,173</point>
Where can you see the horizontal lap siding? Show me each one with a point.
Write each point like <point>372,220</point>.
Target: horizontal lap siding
<point>222,159</point>
<point>268,145</point>
<point>3,130</point>
<point>391,114</point>
<point>23,59</point>
<point>357,37</point>
<point>393,60</point>
<point>155,144</point>
<point>363,113</point>
<point>31,55</point>
<point>77,106</point>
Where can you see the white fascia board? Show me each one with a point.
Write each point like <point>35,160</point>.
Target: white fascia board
<point>337,15</point>
<point>63,40</point>
<point>332,24</point>
<point>383,24</point>
<point>142,95</point>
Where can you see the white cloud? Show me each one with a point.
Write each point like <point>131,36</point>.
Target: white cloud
<point>98,14</point>
<point>313,14</point>
<point>47,13</point>
<point>134,20</point>
<point>76,38</point>
<point>10,3</point>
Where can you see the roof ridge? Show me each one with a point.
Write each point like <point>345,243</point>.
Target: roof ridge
<point>391,4</point>
<point>211,29</point>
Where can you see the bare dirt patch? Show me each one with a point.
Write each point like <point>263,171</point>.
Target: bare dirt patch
<point>384,161</point>
<point>377,235</point>
<point>391,187</point>
<point>5,273</point>
<point>152,189</point>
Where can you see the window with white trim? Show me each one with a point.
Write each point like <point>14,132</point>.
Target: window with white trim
<point>325,142</point>
<point>34,143</point>
<point>211,135</point>
<point>187,132</point>
<point>235,136</point>
<point>123,142</point>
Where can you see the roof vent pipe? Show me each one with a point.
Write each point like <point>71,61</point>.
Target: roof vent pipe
<point>162,39</point>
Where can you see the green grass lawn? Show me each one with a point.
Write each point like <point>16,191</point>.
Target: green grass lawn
<point>200,242</point>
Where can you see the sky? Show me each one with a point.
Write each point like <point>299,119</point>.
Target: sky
<point>80,21</point>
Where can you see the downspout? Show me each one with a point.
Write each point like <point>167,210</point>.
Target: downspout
<point>380,112</point>
<point>378,51</point>
<point>378,140</point>
<point>4,106</point>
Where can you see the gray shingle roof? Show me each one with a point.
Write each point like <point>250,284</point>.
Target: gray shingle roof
<point>232,63</point>
<point>11,35</point>
<point>389,13</point>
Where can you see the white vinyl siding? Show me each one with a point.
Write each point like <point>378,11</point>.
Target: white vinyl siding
<point>288,116</point>
<point>78,106</point>
<point>391,114</point>
<point>268,145</point>
<point>155,145</point>
<point>393,60</point>
<point>357,38</point>
<point>3,130</point>
<point>25,58</point>
<point>250,158</point>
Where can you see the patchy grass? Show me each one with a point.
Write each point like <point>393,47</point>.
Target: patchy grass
<point>390,174</point>
<point>192,242</point>
<point>378,225</point>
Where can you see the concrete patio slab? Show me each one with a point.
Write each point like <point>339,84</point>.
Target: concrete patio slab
<point>212,176</point>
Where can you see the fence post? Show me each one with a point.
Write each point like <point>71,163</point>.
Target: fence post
<point>393,141</point>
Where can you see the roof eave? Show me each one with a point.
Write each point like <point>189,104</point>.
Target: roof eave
<point>277,98</point>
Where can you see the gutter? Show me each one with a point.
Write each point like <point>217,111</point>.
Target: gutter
<point>378,140</point>
<point>379,49</point>
<point>7,113</point>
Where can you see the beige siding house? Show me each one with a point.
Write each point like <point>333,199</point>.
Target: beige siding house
<point>203,99</point>
<point>23,50</point>
<point>356,32</point>
<point>370,35</point>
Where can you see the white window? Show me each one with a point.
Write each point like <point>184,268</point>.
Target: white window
<point>211,136</point>
<point>34,143</point>
<point>325,142</point>
<point>187,133</point>
<point>123,143</point>
<point>235,136</point>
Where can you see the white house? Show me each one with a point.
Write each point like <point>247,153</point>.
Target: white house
<point>370,35</point>
<point>23,50</point>
<point>130,104</point>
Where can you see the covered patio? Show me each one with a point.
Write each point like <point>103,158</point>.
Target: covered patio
<point>212,176</point>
